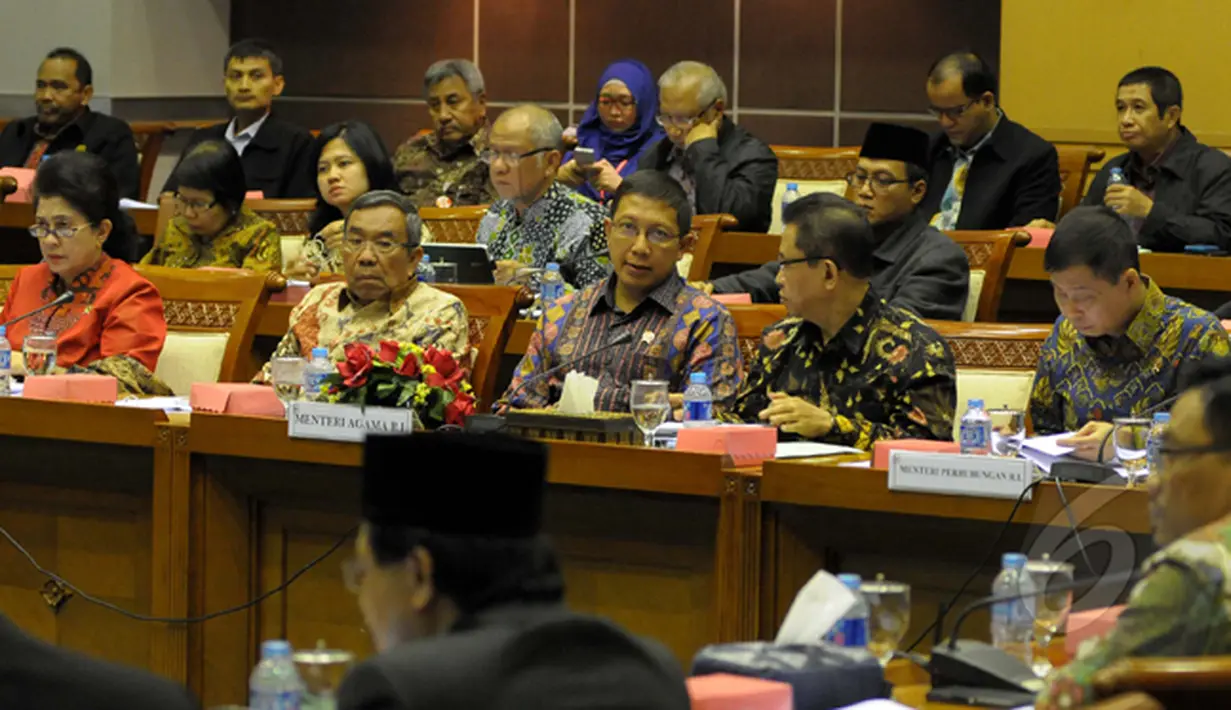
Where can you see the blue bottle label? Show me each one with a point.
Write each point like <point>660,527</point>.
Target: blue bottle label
<point>6,359</point>
<point>849,632</point>
<point>973,435</point>
<point>698,411</point>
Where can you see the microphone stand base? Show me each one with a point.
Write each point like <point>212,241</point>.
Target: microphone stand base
<point>976,673</point>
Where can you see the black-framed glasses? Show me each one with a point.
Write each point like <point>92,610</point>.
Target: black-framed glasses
<point>952,113</point>
<point>681,123</point>
<point>354,244</point>
<point>804,259</point>
<point>1173,450</point>
<point>42,231</point>
<point>490,156</point>
<point>880,181</point>
<point>625,102</point>
<point>194,205</point>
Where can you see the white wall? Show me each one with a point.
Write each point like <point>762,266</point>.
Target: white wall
<point>31,28</point>
<point>167,47</point>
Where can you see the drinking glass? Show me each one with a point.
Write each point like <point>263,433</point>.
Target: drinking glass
<point>888,616</point>
<point>39,351</point>
<point>287,375</point>
<point>1130,436</point>
<point>1051,608</point>
<point>1008,431</point>
<point>650,407</point>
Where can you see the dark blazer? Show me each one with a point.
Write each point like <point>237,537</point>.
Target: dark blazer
<point>916,267</point>
<point>520,656</point>
<point>735,174</point>
<point>105,136</point>
<point>1192,195</point>
<point>275,162</point>
<point>37,675</point>
<point>1013,179</point>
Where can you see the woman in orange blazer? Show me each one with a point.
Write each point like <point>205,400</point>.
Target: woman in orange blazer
<point>114,324</point>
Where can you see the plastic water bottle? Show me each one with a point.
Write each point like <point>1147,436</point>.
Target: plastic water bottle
<point>791,194</point>
<point>851,629</point>
<point>315,372</point>
<point>1116,177</point>
<point>426,273</point>
<point>6,365</point>
<point>1154,443</point>
<point>975,435</point>
<point>698,401</point>
<point>551,287</point>
<point>275,684</point>
<point>1013,620</point>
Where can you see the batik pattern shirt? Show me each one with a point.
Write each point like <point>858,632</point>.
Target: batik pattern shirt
<point>249,242</point>
<point>427,171</point>
<point>676,331</point>
<point>561,226</point>
<point>1082,379</point>
<point>884,375</point>
<point>1182,607</point>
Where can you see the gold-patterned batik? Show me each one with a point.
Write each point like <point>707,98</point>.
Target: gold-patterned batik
<point>1082,379</point>
<point>884,375</point>
<point>428,170</point>
<point>248,242</point>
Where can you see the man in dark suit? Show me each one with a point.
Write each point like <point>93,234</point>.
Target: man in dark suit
<point>987,172</point>
<point>275,154</point>
<point>64,121</point>
<point>723,168</point>
<point>34,674</point>
<point>914,265</point>
<point>462,596</point>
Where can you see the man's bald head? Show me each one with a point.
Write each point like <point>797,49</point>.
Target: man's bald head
<point>976,75</point>
<point>702,78</point>
<point>539,125</point>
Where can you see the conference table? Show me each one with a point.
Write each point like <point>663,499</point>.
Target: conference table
<point>186,515</point>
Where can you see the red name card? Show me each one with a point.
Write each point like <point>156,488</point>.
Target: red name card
<point>236,398</point>
<point>745,444</point>
<point>722,691</point>
<point>1090,624</point>
<point>72,388</point>
<point>880,451</point>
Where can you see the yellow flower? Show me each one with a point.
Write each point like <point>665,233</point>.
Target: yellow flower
<point>428,369</point>
<point>421,393</point>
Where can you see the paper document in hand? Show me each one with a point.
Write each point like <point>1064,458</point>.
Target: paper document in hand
<point>807,449</point>
<point>1047,444</point>
<point>818,606</point>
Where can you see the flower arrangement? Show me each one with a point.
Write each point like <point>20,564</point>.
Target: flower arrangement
<point>429,381</point>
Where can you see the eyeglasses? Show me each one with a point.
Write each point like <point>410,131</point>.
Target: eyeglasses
<point>952,113</point>
<point>354,244</point>
<point>629,230</point>
<point>880,181</point>
<point>194,205</point>
<point>1172,450</point>
<point>808,259</point>
<point>42,231</point>
<point>621,101</point>
<point>490,156</point>
<point>681,122</point>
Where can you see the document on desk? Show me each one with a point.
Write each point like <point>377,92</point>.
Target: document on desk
<point>1043,451</point>
<point>808,449</point>
<point>166,404</point>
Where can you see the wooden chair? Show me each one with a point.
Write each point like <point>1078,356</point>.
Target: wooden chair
<point>705,229</point>
<point>212,318</point>
<point>492,313</point>
<point>149,137</point>
<point>812,169</point>
<point>990,254</point>
<point>750,321</point>
<point>1177,683</point>
<point>1076,162</point>
<point>452,225</point>
<point>8,272</point>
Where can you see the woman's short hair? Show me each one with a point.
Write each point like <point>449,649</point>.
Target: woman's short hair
<point>86,183</point>
<point>214,166</point>
<point>371,151</point>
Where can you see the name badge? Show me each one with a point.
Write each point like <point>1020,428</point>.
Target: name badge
<point>959,475</point>
<point>344,422</point>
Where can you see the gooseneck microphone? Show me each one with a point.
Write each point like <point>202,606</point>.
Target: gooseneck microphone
<point>618,340</point>
<point>59,301</point>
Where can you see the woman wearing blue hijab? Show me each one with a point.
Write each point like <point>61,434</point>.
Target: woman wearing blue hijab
<point>620,121</point>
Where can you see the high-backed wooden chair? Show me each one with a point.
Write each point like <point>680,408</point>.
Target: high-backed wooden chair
<point>990,254</point>
<point>291,217</point>
<point>746,249</point>
<point>149,137</point>
<point>705,229</point>
<point>750,320</point>
<point>8,272</point>
<point>452,225</point>
<point>812,169</point>
<point>1177,683</point>
<point>996,362</point>
<point>1076,162</point>
<point>492,313</point>
<point>212,318</point>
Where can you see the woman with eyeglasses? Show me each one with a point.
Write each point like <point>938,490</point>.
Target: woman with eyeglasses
<point>212,227</point>
<point>113,323</point>
<point>616,126</point>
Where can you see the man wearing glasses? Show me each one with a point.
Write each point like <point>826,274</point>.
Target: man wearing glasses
<point>845,367</point>
<point>914,265</point>
<point>722,167</point>
<point>537,220</point>
<point>1179,608</point>
<point>987,171</point>
<point>671,329</point>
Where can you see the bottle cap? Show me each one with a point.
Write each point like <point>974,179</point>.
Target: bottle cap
<point>275,649</point>
<point>1117,171</point>
<point>851,581</point>
<point>427,259</point>
<point>698,378</point>
<point>553,266</point>
<point>320,352</point>
<point>1162,417</point>
<point>974,404</point>
<point>1014,560</point>
<point>3,330</point>
<point>792,186</point>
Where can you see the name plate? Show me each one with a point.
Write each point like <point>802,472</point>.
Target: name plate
<point>959,475</point>
<point>344,422</point>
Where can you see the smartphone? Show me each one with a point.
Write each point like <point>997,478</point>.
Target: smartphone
<point>584,157</point>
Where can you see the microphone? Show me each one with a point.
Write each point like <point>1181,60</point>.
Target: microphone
<point>59,301</point>
<point>621,339</point>
<point>8,185</point>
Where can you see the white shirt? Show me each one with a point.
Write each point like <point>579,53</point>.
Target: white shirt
<point>241,141</point>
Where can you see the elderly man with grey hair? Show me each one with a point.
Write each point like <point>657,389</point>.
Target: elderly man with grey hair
<point>442,168</point>
<point>722,167</point>
<point>538,220</point>
<point>381,298</point>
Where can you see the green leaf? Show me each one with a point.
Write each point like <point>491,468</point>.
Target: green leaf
<point>405,396</point>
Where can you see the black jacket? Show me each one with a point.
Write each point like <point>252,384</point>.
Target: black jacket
<point>735,174</point>
<point>105,136</point>
<point>1192,195</point>
<point>34,674</point>
<point>917,267</point>
<point>275,162</point>
<point>520,656</point>
<point>1013,179</point>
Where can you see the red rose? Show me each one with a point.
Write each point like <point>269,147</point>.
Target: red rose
<point>410,366</point>
<point>461,407</point>
<point>448,372</point>
<point>358,363</point>
<point>389,351</point>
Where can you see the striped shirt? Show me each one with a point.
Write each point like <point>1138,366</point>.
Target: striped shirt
<point>677,330</point>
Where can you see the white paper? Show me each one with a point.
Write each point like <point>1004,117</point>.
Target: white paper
<point>293,283</point>
<point>806,449</point>
<point>166,404</point>
<point>1047,445</point>
<point>856,464</point>
<point>578,394</point>
<point>878,704</point>
<point>127,204</point>
<point>818,606</point>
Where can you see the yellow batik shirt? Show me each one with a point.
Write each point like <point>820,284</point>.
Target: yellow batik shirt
<point>248,242</point>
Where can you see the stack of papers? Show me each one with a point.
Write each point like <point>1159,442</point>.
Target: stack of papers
<point>166,404</point>
<point>1043,451</point>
